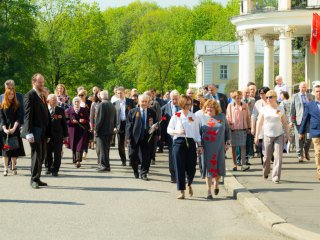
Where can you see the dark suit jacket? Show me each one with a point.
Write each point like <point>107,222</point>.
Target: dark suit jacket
<point>129,105</point>
<point>21,109</point>
<point>311,113</point>
<point>223,101</point>
<point>195,105</point>
<point>59,129</point>
<point>36,114</point>
<point>134,124</point>
<point>167,113</point>
<point>106,118</point>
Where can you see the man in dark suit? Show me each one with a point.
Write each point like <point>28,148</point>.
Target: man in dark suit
<point>140,122</point>
<point>59,133</point>
<point>168,111</point>
<point>195,103</point>
<point>219,97</point>
<point>123,106</point>
<point>311,115</point>
<point>36,127</point>
<point>105,126</point>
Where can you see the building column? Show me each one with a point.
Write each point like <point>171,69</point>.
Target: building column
<point>246,58</point>
<point>285,55</point>
<point>306,61</point>
<point>268,62</point>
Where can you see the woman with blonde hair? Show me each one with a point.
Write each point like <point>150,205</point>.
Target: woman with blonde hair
<point>275,131</point>
<point>215,135</point>
<point>239,121</point>
<point>62,96</point>
<point>9,122</point>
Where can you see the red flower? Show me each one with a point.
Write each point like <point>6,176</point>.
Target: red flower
<point>294,118</point>
<point>190,119</point>
<point>219,120</point>
<point>164,118</point>
<point>65,142</point>
<point>178,114</point>
<point>6,147</point>
<point>211,124</point>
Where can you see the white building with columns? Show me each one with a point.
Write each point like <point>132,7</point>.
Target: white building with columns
<point>275,20</point>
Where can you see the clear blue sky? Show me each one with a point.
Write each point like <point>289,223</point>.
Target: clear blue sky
<point>163,3</point>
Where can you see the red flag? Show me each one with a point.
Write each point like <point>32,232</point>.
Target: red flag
<point>315,33</point>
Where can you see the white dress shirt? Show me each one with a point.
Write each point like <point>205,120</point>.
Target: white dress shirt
<point>189,123</point>
<point>122,109</point>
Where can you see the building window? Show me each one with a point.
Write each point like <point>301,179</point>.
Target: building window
<point>223,72</point>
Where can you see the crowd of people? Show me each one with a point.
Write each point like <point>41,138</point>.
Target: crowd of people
<point>197,127</point>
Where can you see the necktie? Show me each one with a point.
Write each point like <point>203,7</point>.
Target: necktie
<point>304,98</point>
<point>51,111</point>
<point>143,124</point>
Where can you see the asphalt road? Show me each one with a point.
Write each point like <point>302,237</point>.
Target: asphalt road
<point>84,204</point>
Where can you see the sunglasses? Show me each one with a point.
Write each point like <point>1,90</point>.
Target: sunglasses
<point>270,97</point>
<point>80,95</point>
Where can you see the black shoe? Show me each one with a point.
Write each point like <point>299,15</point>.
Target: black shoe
<point>234,169</point>
<point>307,156</point>
<point>47,172</point>
<point>144,177</point>
<point>35,185</point>
<point>209,197</point>
<point>123,164</point>
<point>54,174</point>
<point>136,174</point>
<point>247,163</point>
<point>216,191</point>
<point>42,184</point>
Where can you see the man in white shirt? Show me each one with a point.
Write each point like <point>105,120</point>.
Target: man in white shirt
<point>280,87</point>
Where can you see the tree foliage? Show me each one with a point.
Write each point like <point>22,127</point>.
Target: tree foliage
<point>140,45</point>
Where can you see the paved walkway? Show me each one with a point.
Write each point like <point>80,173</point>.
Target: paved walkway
<point>84,204</point>
<point>295,199</point>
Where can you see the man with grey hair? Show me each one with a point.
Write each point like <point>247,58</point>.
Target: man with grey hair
<point>195,103</point>
<point>59,134</point>
<point>140,134</point>
<point>123,106</point>
<point>311,115</point>
<point>169,110</point>
<point>298,102</point>
<point>105,127</point>
<point>280,86</point>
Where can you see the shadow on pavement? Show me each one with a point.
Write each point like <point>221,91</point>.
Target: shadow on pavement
<point>259,190</point>
<point>105,189</point>
<point>39,202</point>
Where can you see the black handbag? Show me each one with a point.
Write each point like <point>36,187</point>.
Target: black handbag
<point>12,143</point>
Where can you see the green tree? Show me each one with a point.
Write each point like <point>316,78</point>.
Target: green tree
<point>21,51</point>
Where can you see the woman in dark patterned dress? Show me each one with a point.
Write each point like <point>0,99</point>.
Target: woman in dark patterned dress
<point>215,136</point>
<point>9,119</point>
<point>78,126</point>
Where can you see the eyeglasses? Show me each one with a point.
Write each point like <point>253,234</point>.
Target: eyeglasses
<point>270,97</point>
<point>80,95</point>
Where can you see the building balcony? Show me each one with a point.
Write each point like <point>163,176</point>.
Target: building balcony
<point>260,6</point>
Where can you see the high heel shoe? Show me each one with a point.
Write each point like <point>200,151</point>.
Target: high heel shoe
<point>78,165</point>
<point>190,191</point>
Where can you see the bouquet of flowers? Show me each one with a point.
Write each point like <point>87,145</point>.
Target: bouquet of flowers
<point>155,126</point>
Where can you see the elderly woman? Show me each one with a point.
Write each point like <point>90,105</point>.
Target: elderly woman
<point>184,127</point>
<point>62,96</point>
<point>78,126</point>
<point>215,140</point>
<point>86,104</point>
<point>9,123</point>
<point>239,122</point>
<point>275,130</point>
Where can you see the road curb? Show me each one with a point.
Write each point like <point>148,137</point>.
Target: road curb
<point>265,216</point>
